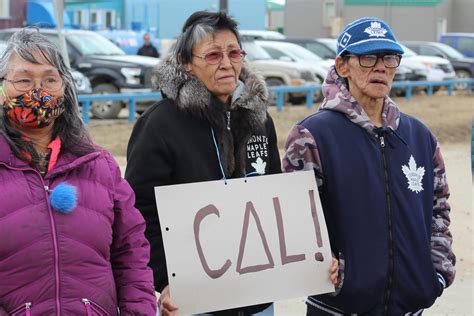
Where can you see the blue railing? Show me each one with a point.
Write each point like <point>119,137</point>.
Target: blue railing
<point>132,98</point>
<point>408,86</point>
<point>280,91</point>
<point>472,147</point>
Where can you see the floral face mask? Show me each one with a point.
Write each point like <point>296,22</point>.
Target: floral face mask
<point>33,109</point>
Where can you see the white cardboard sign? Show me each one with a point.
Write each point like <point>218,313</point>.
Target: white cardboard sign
<point>245,242</point>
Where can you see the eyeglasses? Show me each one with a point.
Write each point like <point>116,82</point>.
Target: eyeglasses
<point>51,84</point>
<point>369,61</point>
<point>215,57</point>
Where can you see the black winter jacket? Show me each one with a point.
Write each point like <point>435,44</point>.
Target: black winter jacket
<point>172,143</point>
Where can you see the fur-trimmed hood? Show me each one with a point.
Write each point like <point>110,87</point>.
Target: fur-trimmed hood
<point>247,115</point>
<point>192,96</point>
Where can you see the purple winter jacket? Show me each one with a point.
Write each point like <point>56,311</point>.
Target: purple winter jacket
<point>92,261</point>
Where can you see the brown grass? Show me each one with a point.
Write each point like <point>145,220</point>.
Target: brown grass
<point>448,117</point>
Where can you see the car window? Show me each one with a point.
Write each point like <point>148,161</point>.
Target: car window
<point>331,43</point>
<point>3,46</point>
<point>320,50</point>
<point>466,44</point>
<point>447,40</point>
<point>407,52</point>
<point>449,51</point>
<point>429,51</point>
<point>255,52</point>
<point>300,53</point>
<point>93,44</point>
<point>275,53</point>
<point>4,36</point>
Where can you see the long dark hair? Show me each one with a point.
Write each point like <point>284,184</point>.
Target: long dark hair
<point>29,44</point>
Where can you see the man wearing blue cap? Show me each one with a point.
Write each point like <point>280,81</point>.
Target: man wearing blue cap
<point>382,183</point>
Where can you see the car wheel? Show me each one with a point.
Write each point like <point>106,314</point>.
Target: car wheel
<point>105,109</point>
<point>272,97</point>
<point>461,74</point>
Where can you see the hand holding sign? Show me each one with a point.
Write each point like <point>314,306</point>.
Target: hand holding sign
<point>254,239</point>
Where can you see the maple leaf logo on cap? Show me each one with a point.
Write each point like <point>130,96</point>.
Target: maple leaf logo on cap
<point>375,29</point>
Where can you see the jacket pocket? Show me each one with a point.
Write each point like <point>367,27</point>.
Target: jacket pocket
<point>22,310</point>
<point>94,309</point>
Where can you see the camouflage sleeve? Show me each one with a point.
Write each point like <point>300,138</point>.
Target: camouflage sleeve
<point>301,153</point>
<point>441,238</point>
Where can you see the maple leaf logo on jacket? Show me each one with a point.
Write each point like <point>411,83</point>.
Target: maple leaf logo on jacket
<point>414,175</point>
<point>259,166</point>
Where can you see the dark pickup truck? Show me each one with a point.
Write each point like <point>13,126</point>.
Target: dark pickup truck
<point>108,68</point>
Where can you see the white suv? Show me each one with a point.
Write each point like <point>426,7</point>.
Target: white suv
<point>277,72</point>
<point>299,56</point>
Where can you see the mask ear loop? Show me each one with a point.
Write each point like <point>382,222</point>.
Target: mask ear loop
<point>218,156</point>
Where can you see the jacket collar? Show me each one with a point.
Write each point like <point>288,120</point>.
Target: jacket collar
<point>66,161</point>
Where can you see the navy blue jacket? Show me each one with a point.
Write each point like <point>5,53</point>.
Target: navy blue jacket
<point>380,226</point>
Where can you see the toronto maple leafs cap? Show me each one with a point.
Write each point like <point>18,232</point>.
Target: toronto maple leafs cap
<point>367,36</point>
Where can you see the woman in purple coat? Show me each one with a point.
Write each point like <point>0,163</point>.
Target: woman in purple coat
<point>71,241</point>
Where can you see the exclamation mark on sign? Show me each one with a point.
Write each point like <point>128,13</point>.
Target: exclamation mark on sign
<point>318,256</point>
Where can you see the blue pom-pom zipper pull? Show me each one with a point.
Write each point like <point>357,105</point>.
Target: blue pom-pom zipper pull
<point>63,198</point>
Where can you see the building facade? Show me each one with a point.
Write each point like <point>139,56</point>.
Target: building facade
<point>163,18</point>
<point>12,13</point>
<point>409,19</point>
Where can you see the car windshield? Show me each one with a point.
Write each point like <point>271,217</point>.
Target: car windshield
<point>262,34</point>
<point>255,52</point>
<point>407,52</point>
<point>330,42</point>
<point>3,46</point>
<point>448,50</point>
<point>300,53</point>
<point>93,44</point>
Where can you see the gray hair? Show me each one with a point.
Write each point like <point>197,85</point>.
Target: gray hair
<point>27,44</point>
<point>197,26</point>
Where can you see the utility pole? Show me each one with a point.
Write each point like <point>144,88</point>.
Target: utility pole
<point>59,14</point>
<point>223,6</point>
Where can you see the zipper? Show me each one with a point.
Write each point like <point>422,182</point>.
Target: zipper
<point>87,304</point>
<point>388,290</point>
<point>24,307</point>
<point>28,309</point>
<point>228,120</point>
<point>92,306</point>
<point>53,231</point>
<point>55,246</point>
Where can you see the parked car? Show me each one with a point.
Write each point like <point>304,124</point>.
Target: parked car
<point>260,34</point>
<point>108,68</point>
<point>463,42</point>
<point>314,45</point>
<point>463,66</point>
<point>294,53</point>
<point>439,69</point>
<point>277,72</point>
<point>81,82</point>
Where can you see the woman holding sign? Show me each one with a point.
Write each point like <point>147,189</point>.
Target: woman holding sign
<point>212,124</point>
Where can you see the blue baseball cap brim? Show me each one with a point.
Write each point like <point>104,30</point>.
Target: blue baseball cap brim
<point>374,46</point>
